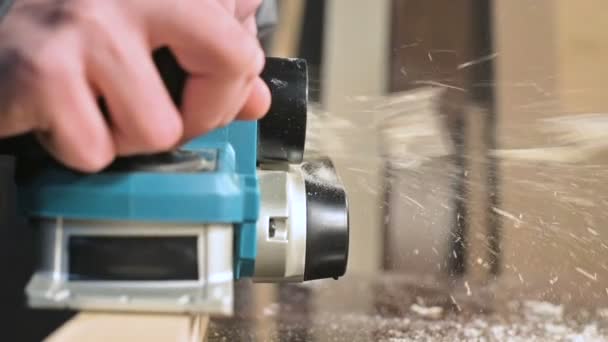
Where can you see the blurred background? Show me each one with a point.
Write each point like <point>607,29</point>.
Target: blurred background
<point>514,212</point>
<point>510,71</point>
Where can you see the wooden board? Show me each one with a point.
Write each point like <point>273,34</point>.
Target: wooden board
<point>103,327</point>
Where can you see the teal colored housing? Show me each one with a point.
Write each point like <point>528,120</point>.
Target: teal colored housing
<point>229,193</point>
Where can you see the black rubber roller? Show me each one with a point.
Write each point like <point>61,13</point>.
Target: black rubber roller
<point>327,231</point>
<point>282,132</point>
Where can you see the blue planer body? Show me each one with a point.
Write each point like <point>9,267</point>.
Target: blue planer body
<point>224,190</point>
<point>172,232</point>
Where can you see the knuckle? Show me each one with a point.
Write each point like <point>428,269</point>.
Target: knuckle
<point>52,62</point>
<point>111,41</point>
<point>92,18</point>
<point>89,11</point>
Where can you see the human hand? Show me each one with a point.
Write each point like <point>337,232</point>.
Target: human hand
<point>57,57</point>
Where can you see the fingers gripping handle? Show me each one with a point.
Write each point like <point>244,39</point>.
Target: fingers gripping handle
<point>282,130</point>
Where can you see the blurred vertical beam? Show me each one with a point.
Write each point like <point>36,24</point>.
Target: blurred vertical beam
<point>477,224</point>
<point>286,39</point>
<point>526,72</point>
<point>458,253</point>
<point>431,39</point>
<point>483,238</point>
<point>483,93</point>
<point>355,62</point>
<point>389,181</point>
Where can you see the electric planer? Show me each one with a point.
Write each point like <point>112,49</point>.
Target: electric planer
<point>172,232</point>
